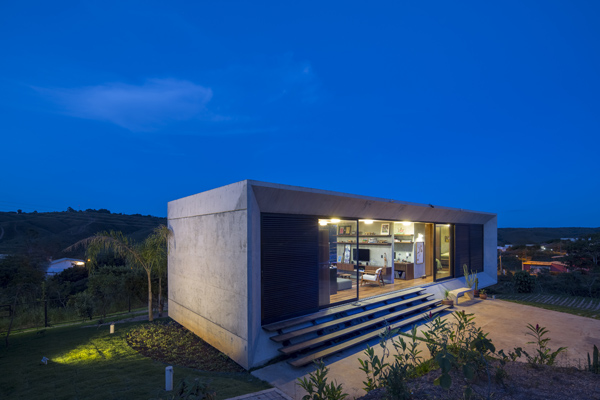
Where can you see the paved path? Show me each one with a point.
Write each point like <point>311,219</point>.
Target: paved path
<point>505,321</point>
<point>269,394</point>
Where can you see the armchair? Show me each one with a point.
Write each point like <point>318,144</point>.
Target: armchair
<point>373,278</point>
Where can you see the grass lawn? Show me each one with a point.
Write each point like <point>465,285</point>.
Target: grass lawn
<point>90,363</point>
<point>583,306</point>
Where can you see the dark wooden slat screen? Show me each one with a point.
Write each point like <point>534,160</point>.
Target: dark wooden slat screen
<point>461,249</point>
<point>476,247</point>
<point>289,266</point>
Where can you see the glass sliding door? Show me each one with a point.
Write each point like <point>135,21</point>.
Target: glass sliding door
<point>443,252</point>
<point>338,278</point>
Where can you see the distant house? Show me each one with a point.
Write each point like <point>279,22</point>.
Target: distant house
<point>58,266</point>
<point>549,266</point>
<point>505,247</point>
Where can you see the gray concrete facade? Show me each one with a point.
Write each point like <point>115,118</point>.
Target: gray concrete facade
<point>214,255</point>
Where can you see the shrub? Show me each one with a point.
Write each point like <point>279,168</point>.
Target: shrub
<point>84,304</point>
<point>393,376</point>
<point>316,385</point>
<point>543,354</point>
<point>523,282</point>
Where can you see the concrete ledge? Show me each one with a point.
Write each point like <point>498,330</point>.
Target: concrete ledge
<point>467,292</point>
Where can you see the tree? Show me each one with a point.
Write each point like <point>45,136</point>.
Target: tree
<point>162,235</point>
<point>105,288</point>
<point>146,255</point>
<point>584,252</point>
<point>19,276</point>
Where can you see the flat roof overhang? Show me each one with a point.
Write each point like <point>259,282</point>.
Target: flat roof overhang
<point>285,199</point>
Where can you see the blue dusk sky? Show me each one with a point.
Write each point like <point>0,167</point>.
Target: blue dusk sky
<point>126,105</point>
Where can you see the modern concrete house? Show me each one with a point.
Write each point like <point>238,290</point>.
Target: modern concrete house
<point>249,259</point>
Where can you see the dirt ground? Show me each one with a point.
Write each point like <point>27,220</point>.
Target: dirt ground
<point>523,382</point>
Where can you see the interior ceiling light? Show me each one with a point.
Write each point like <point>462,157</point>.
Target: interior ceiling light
<point>406,223</point>
<point>334,220</point>
<point>323,222</point>
<point>368,221</point>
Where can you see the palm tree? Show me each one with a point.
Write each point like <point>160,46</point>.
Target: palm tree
<point>147,255</point>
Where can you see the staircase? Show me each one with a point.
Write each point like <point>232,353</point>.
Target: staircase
<point>332,330</point>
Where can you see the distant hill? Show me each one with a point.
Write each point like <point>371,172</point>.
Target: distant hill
<point>539,235</point>
<point>49,233</point>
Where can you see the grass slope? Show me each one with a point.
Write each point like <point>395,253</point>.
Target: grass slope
<point>89,363</point>
<point>50,233</point>
<point>583,306</point>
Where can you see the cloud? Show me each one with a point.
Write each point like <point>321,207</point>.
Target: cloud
<point>138,108</point>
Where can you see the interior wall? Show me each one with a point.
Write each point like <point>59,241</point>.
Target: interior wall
<point>420,269</point>
<point>429,249</point>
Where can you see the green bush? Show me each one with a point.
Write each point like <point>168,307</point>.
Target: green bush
<point>316,385</point>
<point>523,282</point>
<point>84,304</point>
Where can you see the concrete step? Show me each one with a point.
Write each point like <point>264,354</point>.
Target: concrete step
<point>336,348</point>
<point>348,319</point>
<point>333,311</point>
<point>339,334</point>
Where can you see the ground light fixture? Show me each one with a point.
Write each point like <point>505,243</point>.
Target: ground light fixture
<point>169,378</point>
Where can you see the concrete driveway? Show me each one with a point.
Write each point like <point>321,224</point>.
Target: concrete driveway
<point>506,323</point>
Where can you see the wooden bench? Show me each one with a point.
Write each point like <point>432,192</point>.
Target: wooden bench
<point>468,292</point>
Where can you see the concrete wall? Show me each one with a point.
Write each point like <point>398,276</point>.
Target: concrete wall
<point>208,267</point>
<point>490,254</point>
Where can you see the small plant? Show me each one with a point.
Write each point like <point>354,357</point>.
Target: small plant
<point>438,331</point>
<point>593,364</point>
<point>193,391</point>
<point>461,346</point>
<point>447,300</point>
<point>374,368</point>
<point>544,355</point>
<point>317,388</point>
<point>470,278</point>
<point>393,376</point>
